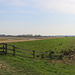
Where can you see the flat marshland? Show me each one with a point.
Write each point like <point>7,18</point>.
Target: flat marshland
<point>16,65</point>
<point>16,39</point>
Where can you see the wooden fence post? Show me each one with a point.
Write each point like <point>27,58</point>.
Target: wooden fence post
<point>6,48</point>
<point>60,57</point>
<point>33,54</point>
<point>50,56</point>
<point>13,50</point>
<point>3,47</point>
<point>42,56</point>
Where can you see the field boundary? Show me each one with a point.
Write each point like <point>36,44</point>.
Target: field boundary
<point>5,48</point>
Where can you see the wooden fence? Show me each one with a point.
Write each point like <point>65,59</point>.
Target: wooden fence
<point>3,48</point>
<point>10,49</point>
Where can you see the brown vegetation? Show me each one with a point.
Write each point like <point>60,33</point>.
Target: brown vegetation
<point>18,39</point>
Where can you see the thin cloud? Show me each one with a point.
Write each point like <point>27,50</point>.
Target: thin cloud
<point>29,12</point>
<point>21,11</point>
<point>17,3</point>
<point>14,2</point>
<point>64,6</point>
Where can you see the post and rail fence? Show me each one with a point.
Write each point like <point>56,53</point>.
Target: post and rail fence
<point>7,48</point>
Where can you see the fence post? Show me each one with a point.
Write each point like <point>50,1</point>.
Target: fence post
<point>33,54</point>
<point>3,47</point>
<point>13,50</point>
<point>50,55</point>
<point>42,56</point>
<point>6,48</point>
<point>60,57</point>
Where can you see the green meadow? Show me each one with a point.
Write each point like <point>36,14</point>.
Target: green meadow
<point>48,44</point>
<point>16,65</point>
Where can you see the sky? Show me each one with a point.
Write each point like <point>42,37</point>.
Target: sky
<point>44,17</point>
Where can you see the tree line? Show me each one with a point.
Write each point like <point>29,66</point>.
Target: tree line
<point>31,35</point>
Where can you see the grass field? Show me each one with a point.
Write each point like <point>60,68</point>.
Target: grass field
<point>48,44</point>
<point>16,65</point>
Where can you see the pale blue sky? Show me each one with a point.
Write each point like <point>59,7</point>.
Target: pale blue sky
<point>44,17</point>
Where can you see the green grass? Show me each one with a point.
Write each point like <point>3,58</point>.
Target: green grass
<point>68,43</point>
<point>16,65</point>
<point>25,66</point>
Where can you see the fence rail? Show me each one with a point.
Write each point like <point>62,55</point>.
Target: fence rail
<point>23,52</point>
<point>7,48</point>
<point>23,49</point>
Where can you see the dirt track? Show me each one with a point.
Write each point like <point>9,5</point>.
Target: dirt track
<point>15,41</point>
